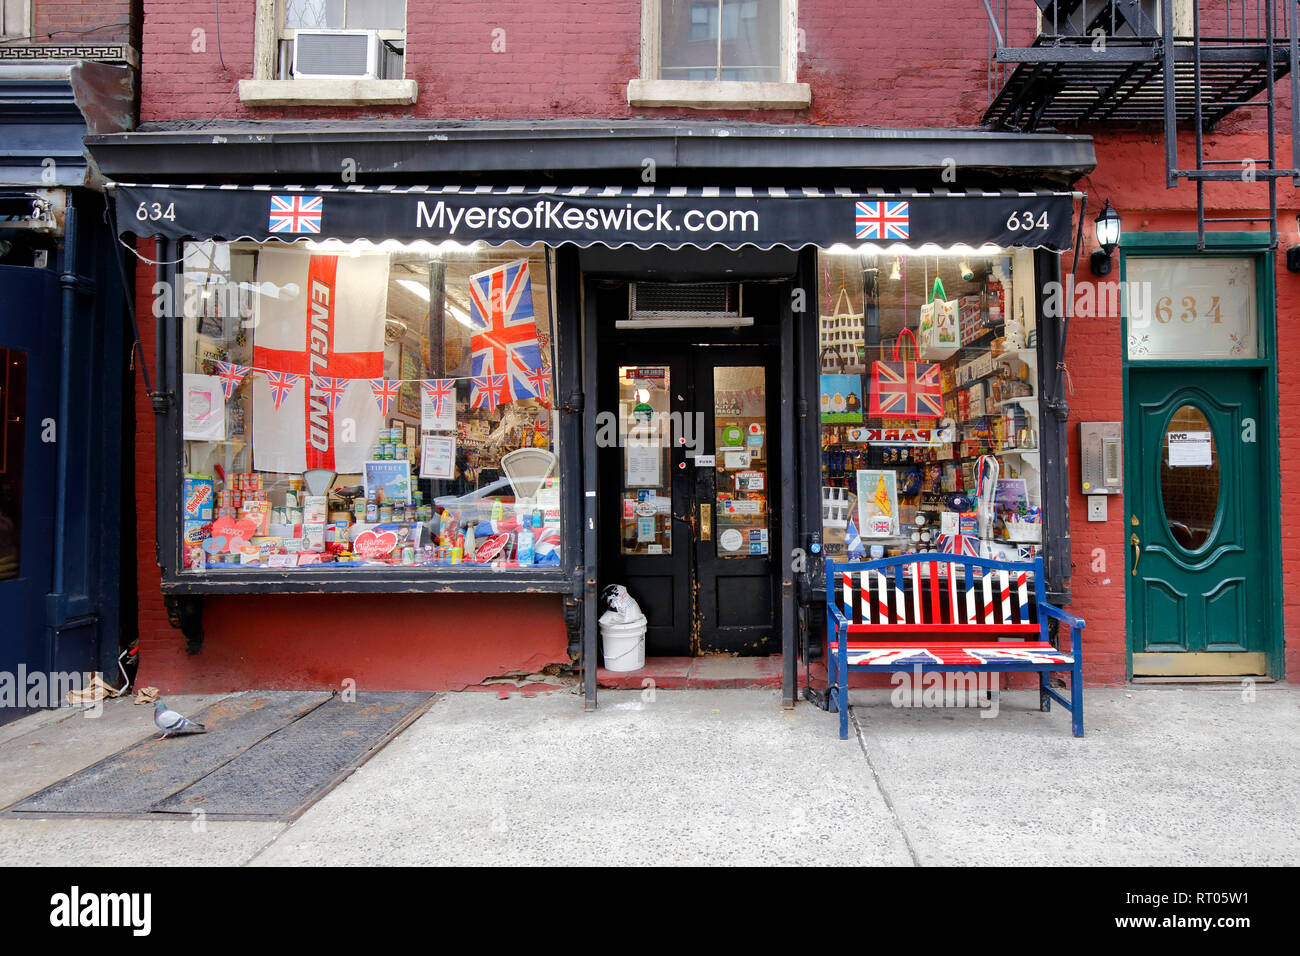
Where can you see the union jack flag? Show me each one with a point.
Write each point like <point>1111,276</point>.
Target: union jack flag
<point>906,390</point>
<point>504,329</point>
<point>892,655</point>
<point>296,213</point>
<point>282,383</point>
<point>331,388</point>
<point>231,375</point>
<point>540,380</point>
<point>488,391</point>
<point>967,544</point>
<point>882,220</point>
<point>385,391</point>
<point>439,390</point>
<point>1010,654</point>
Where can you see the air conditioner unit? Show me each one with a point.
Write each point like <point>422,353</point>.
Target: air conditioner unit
<point>336,54</point>
<point>684,305</point>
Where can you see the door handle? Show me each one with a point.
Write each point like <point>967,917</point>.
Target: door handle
<point>1137,552</point>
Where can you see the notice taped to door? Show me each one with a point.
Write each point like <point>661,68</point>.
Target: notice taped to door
<point>1190,449</point>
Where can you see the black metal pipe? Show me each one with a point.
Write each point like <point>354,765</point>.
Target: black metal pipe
<point>161,390</point>
<point>69,282</point>
<point>589,608</point>
<point>789,507</point>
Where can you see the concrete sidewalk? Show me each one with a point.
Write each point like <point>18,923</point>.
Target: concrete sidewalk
<point>1167,775</point>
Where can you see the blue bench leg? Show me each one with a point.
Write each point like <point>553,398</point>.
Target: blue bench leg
<point>1044,699</point>
<point>832,680</point>
<point>844,698</point>
<point>1076,698</point>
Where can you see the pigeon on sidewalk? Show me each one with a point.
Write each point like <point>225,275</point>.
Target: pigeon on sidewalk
<point>170,722</point>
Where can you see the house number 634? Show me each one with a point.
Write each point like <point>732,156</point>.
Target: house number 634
<point>153,211</point>
<point>1025,220</point>
<point>1165,310</point>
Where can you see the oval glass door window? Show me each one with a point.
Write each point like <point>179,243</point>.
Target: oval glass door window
<point>1189,478</point>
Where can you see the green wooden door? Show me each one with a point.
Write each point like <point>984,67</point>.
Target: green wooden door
<point>1197,523</point>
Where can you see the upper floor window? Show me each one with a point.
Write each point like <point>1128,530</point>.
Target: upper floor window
<point>13,18</point>
<point>361,38</point>
<point>720,40</point>
<point>727,54</point>
<point>329,53</point>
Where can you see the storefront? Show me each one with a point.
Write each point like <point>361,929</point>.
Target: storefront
<point>696,391</point>
<point>64,351</point>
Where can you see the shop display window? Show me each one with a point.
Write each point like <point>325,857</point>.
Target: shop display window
<point>361,406</point>
<point>928,404</point>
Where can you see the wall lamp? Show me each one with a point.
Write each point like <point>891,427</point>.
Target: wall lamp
<point>1108,230</point>
<point>1293,254</point>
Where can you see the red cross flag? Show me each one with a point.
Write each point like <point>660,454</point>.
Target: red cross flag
<point>330,333</point>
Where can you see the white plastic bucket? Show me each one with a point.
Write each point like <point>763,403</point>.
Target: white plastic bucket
<point>624,645</point>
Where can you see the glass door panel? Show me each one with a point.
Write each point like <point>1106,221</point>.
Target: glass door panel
<point>645,436</point>
<point>740,440</point>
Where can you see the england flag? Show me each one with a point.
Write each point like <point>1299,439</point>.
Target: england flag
<point>330,335</point>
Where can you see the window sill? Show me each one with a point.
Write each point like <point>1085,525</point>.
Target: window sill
<point>715,94</point>
<point>414,580</point>
<point>327,92</point>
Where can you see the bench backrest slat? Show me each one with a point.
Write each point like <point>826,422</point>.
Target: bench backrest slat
<point>916,594</point>
<point>970,598</point>
<point>952,591</point>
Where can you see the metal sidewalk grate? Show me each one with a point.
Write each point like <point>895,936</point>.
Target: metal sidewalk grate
<point>267,756</point>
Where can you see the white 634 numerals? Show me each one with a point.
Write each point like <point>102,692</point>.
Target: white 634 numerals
<point>155,211</point>
<point>1020,221</point>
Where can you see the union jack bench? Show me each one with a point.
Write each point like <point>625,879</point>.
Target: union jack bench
<point>946,612</point>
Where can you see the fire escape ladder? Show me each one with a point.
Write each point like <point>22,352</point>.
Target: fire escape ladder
<point>1106,61</point>
<point>1278,56</point>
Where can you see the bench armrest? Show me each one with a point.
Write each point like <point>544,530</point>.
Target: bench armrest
<point>1075,624</point>
<point>836,617</point>
<point>1063,616</point>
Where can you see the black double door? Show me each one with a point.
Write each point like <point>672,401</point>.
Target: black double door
<point>689,463</point>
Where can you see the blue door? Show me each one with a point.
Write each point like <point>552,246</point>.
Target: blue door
<point>29,351</point>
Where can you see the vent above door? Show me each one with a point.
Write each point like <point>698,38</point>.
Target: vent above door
<point>654,305</point>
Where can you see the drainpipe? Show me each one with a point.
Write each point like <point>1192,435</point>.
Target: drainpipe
<point>69,284</point>
<point>161,395</point>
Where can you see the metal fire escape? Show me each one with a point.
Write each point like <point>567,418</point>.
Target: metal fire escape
<point>1126,62</point>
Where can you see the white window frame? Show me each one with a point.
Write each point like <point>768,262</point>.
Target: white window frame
<point>785,94</point>
<point>24,26</point>
<point>266,89</point>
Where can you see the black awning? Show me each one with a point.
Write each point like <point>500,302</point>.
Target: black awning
<point>643,217</point>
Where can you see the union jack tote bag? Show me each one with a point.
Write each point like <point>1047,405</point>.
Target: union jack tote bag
<point>903,389</point>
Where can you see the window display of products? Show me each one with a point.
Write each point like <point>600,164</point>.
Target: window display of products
<point>934,445</point>
<point>375,409</point>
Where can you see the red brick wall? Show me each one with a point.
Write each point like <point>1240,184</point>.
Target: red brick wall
<point>1130,172</point>
<point>568,58</point>
<point>69,19</point>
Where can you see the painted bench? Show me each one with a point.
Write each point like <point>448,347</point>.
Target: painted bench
<point>947,613</point>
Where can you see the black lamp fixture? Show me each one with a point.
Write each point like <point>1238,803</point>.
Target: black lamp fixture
<point>1108,229</point>
<point>1293,254</point>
